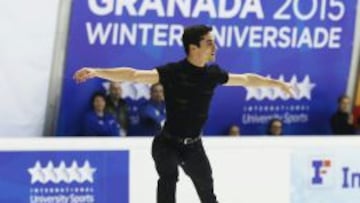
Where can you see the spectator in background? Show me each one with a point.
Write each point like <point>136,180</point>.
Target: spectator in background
<point>117,106</point>
<point>275,127</point>
<point>134,125</point>
<point>357,126</point>
<point>234,130</point>
<point>153,113</point>
<point>342,122</point>
<point>97,121</point>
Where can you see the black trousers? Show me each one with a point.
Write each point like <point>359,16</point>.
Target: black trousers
<point>168,154</point>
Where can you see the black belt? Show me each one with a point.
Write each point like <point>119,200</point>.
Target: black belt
<point>189,140</point>
<point>182,140</point>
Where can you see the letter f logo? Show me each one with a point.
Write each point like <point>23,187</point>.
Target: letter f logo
<point>318,166</point>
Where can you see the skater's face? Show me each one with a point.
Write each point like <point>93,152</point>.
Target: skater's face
<point>207,49</point>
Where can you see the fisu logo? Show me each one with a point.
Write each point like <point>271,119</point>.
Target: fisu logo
<point>62,173</point>
<point>320,169</point>
<point>302,90</point>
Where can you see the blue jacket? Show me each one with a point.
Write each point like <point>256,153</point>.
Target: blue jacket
<point>134,127</point>
<point>153,116</point>
<point>95,125</point>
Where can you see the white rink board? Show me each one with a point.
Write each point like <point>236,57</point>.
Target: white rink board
<point>246,169</point>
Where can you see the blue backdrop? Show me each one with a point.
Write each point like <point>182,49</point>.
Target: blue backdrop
<point>307,43</point>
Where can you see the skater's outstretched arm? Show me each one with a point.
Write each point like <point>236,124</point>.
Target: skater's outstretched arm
<point>117,74</point>
<point>254,80</point>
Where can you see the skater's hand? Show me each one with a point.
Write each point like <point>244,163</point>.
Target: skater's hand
<point>84,74</point>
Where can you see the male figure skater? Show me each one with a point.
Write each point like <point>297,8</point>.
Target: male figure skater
<point>188,86</point>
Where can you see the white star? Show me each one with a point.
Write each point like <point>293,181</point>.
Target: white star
<point>306,87</point>
<point>261,93</point>
<point>301,90</point>
<point>106,85</point>
<point>142,90</point>
<point>251,93</point>
<point>36,173</point>
<point>49,173</point>
<point>276,94</point>
<point>267,92</point>
<point>127,90</point>
<point>135,91</point>
<point>73,173</point>
<point>87,172</point>
<point>61,173</point>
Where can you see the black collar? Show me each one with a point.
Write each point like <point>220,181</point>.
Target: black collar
<point>194,68</point>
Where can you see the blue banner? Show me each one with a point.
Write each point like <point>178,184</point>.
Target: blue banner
<point>306,43</point>
<point>64,176</point>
